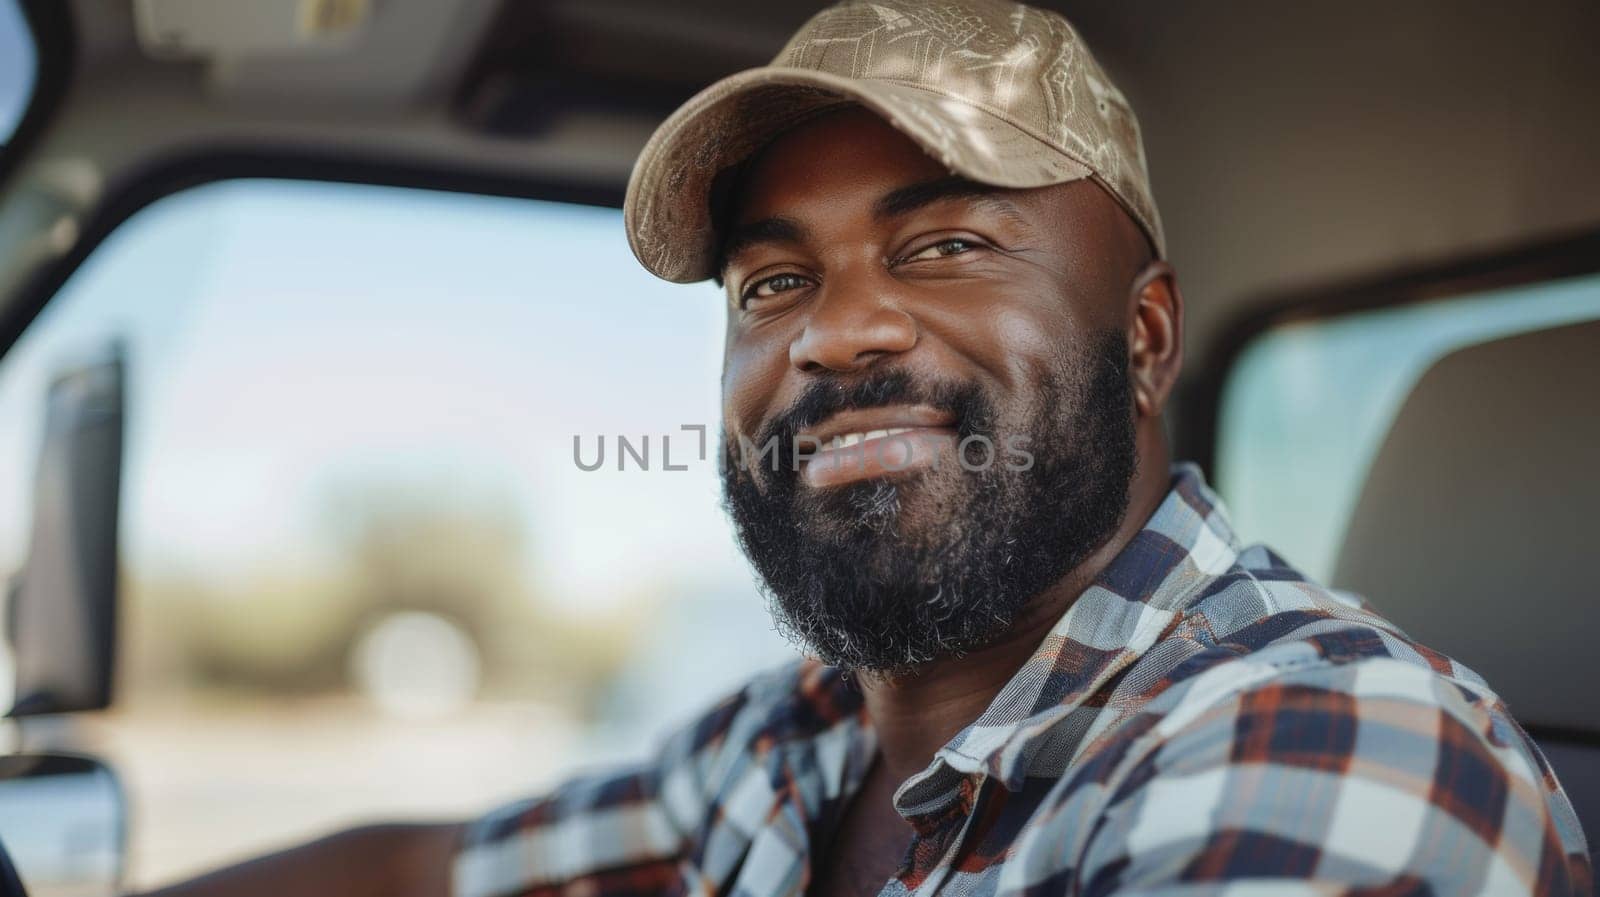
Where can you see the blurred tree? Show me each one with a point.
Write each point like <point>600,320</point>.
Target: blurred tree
<point>391,547</point>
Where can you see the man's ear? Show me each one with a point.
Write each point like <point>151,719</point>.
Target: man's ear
<point>1155,338</point>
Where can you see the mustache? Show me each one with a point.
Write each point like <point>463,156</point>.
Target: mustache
<point>832,394</point>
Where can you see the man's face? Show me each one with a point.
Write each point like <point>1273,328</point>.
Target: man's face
<point>938,375</point>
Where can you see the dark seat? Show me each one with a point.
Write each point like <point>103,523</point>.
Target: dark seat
<point>1478,532</point>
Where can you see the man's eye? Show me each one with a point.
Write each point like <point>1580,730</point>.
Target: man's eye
<point>771,286</point>
<point>943,248</point>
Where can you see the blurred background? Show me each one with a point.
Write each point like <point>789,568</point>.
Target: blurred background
<point>364,268</point>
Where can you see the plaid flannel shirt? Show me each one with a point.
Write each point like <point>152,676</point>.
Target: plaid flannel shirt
<point>1203,720</point>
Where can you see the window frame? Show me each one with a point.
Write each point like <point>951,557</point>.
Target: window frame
<point>1198,426</point>
<point>172,175</point>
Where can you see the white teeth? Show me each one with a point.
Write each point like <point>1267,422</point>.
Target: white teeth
<point>846,440</point>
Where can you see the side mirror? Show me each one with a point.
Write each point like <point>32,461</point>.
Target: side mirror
<point>63,824</point>
<point>63,604</point>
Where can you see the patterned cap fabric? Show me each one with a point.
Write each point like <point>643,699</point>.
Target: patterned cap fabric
<point>998,92</point>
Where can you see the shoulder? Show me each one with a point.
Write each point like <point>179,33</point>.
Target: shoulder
<point>1258,624</point>
<point>1298,733</point>
<point>1370,771</point>
<point>1267,615</point>
<point>1264,648</point>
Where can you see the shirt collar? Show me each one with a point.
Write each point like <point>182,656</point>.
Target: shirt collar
<point>1187,542</point>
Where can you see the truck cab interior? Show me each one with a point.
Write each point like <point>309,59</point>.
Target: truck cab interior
<point>1385,218</point>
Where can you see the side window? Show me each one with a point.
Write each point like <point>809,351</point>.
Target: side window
<point>364,576</point>
<point>1307,405</point>
<point>19,64</point>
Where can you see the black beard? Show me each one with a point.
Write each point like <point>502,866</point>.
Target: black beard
<point>885,575</point>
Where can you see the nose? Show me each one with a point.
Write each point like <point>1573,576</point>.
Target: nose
<point>849,330</point>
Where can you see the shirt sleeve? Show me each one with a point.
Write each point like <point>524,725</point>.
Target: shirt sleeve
<point>617,834</point>
<point>1375,776</point>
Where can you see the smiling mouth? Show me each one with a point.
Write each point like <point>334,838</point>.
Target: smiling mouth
<point>877,442</point>
<point>857,425</point>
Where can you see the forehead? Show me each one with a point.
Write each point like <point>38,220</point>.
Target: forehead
<point>848,156</point>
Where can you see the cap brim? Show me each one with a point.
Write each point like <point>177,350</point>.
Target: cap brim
<point>667,211</point>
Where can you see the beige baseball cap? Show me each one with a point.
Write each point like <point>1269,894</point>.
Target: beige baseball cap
<point>1001,93</point>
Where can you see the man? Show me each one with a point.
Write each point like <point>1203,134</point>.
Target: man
<point>1044,664</point>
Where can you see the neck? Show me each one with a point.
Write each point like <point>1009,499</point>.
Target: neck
<point>917,713</point>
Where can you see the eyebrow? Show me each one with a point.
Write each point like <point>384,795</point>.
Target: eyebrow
<point>755,233</point>
<point>908,199</point>
<point>895,203</point>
